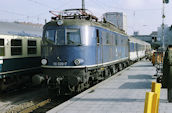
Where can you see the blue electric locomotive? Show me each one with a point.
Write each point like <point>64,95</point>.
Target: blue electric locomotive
<point>78,51</point>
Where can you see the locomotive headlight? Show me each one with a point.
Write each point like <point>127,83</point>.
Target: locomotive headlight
<point>59,22</point>
<point>78,62</point>
<point>44,61</point>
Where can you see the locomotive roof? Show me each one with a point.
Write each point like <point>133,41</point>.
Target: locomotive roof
<point>87,22</point>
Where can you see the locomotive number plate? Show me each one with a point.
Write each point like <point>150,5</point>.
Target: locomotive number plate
<point>61,63</point>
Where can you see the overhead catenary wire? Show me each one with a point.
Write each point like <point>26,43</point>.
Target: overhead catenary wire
<point>18,14</point>
<point>41,4</point>
<point>113,7</point>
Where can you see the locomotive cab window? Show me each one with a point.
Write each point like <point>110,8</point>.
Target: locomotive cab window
<point>16,47</point>
<point>50,35</point>
<point>73,36</point>
<point>2,48</point>
<point>60,37</point>
<point>31,47</point>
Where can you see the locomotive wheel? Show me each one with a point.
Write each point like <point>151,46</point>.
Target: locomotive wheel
<point>125,65</point>
<point>109,73</point>
<point>87,85</point>
<point>82,87</point>
<point>120,67</point>
<point>116,69</point>
<point>78,88</point>
<point>71,88</point>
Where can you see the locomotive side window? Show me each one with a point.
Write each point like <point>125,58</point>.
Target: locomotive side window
<point>97,35</point>
<point>16,47</point>
<point>110,38</point>
<point>116,40</point>
<point>31,47</point>
<point>107,38</point>
<point>2,48</point>
<point>73,36</point>
<point>104,38</point>
<point>50,34</point>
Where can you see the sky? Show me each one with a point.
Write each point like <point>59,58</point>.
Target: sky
<point>143,16</point>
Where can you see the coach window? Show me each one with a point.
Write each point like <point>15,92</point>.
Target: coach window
<point>2,48</point>
<point>16,47</point>
<point>73,37</point>
<point>31,49</point>
<point>97,35</point>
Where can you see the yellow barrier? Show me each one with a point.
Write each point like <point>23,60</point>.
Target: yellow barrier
<point>156,87</point>
<point>152,99</point>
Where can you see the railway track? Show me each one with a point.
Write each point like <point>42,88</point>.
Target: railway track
<point>15,100</point>
<point>35,100</point>
<point>54,102</point>
<point>37,107</point>
<point>26,100</point>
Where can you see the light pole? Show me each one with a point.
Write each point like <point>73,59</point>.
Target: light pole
<point>83,5</point>
<point>163,17</point>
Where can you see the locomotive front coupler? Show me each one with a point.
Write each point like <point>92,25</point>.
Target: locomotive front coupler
<point>54,82</point>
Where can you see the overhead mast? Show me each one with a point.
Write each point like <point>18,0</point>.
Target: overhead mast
<point>83,5</point>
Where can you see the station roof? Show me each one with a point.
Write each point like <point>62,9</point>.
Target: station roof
<point>21,29</point>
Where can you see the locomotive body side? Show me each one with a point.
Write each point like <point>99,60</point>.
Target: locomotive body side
<point>88,52</point>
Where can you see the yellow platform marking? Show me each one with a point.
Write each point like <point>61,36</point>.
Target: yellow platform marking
<point>34,107</point>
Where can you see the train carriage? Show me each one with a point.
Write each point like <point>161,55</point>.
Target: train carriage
<point>138,49</point>
<point>19,59</point>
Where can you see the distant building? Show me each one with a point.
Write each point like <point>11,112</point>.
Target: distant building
<point>167,35</point>
<point>117,18</point>
<point>22,29</point>
<point>136,33</point>
<point>152,38</point>
<point>147,38</point>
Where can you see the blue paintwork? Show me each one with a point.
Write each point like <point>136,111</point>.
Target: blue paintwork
<point>68,54</point>
<point>89,51</point>
<point>132,49</point>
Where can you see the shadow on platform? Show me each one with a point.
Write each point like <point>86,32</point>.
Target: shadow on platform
<point>139,76</point>
<point>108,99</point>
<point>136,85</point>
<point>142,66</point>
<point>140,69</point>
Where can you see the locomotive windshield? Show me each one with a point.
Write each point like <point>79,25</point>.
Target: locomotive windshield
<point>73,36</point>
<point>60,37</point>
<point>64,36</point>
<point>50,35</point>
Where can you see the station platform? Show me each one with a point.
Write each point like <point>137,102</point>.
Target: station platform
<point>124,92</point>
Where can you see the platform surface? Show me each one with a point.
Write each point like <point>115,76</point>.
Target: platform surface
<point>122,93</point>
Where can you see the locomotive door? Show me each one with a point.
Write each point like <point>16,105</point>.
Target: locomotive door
<point>99,58</point>
<point>137,49</point>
